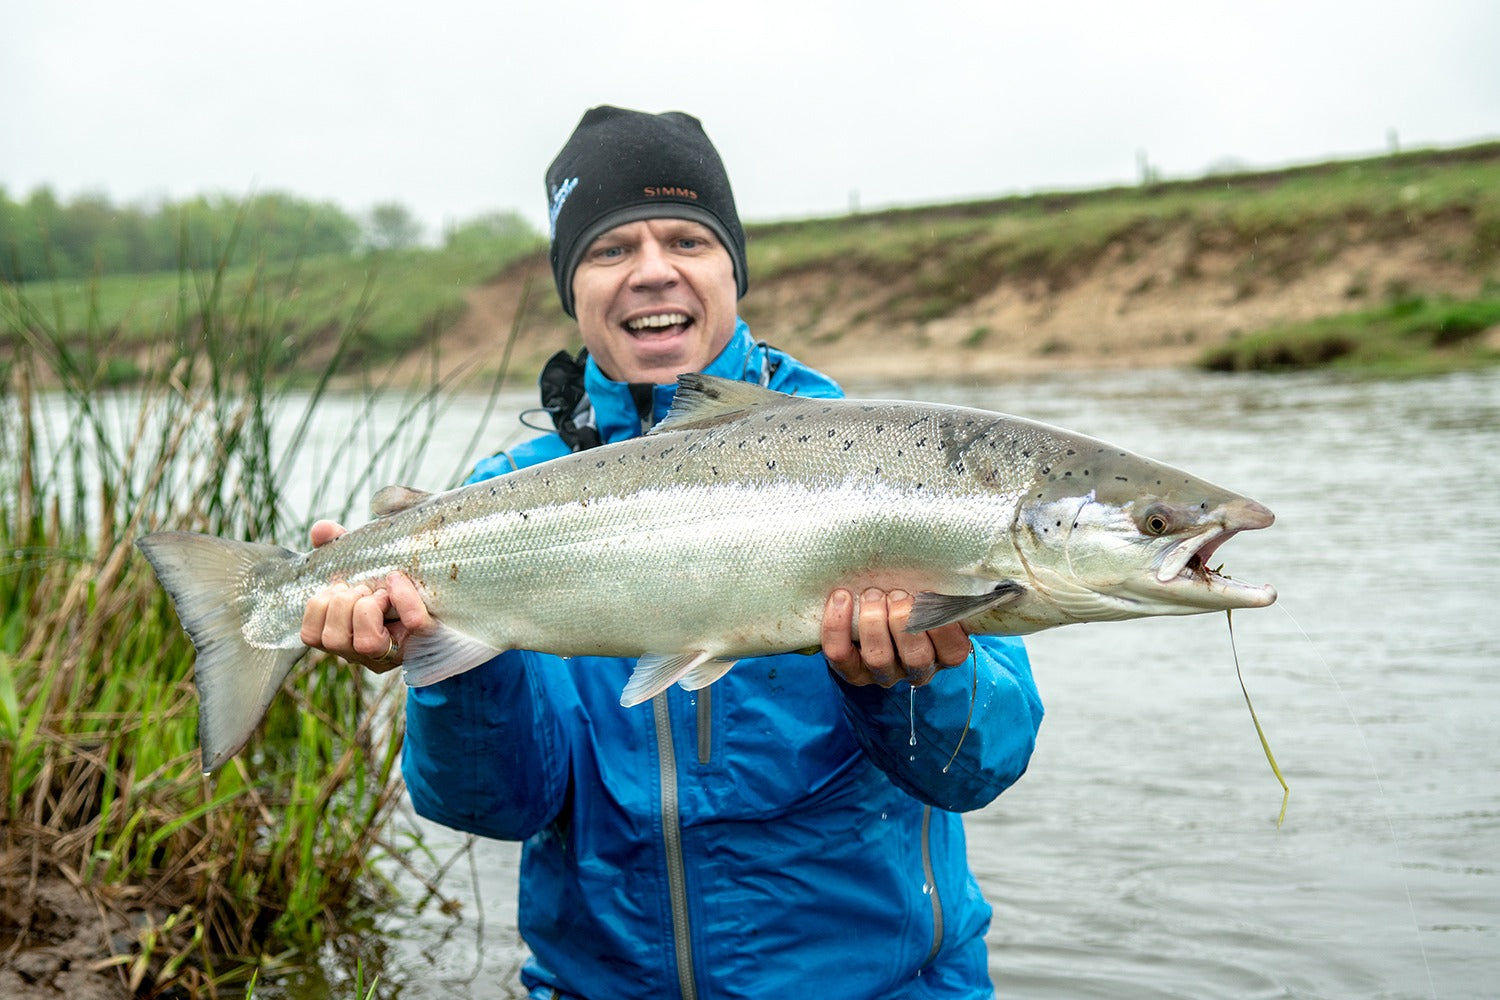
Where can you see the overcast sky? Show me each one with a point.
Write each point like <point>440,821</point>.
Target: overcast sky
<point>456,108</point>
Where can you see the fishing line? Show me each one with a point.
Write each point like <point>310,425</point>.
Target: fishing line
<point>1286,792</point>
<point>1380,785</point>
<point>973,697</point>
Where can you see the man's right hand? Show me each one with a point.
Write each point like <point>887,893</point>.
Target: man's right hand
<point>363,624</point>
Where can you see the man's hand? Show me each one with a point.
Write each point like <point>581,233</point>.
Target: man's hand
<point>885,652</point>
<point>352,622</point>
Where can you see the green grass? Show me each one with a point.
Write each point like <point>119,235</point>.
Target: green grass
<point>936,259</point>
<point>399,297</point>
<point>262,864</point>
<point>1413,335</point>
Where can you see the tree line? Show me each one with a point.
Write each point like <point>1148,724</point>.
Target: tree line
<point>42,236</point>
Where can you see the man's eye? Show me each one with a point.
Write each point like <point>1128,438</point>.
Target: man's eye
<point>690,243</point>
<point>609,253</point>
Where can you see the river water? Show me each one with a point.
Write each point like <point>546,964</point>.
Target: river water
<point>1140,856</point>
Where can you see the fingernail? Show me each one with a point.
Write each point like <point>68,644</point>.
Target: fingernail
<point>872,594</point>
<point>899,595</point>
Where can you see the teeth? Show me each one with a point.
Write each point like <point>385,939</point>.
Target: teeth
<point>659,320</point>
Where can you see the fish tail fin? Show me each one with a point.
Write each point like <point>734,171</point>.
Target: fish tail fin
<point>204,576</point>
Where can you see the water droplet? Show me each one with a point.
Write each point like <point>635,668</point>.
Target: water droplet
<point>882,815</point>
<point>927,888</point>
<point>911,714</point>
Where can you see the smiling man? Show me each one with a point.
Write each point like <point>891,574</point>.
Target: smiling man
<point>793,829</point>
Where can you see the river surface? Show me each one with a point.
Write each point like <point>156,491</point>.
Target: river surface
<point>1140,855</point>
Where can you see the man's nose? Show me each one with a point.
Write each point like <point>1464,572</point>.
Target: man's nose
<point>653,267</point>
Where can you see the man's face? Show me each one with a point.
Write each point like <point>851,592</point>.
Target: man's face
<point>655,299</point>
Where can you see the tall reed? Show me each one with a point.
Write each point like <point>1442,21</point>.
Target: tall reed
<point>100,774</point>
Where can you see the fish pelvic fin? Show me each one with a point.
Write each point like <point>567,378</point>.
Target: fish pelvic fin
<point>931,610</point>
<point>236,681</point>
<point>705,400</point>
<point>655,672</point>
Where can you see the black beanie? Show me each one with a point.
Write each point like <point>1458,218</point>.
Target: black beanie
<point>623,166</point>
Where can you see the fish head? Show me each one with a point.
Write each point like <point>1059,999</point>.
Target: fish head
<point>1133,539</point>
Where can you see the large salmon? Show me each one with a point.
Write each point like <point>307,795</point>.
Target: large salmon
<point>720,535</point>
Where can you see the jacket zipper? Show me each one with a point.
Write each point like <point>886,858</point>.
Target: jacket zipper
<point>930,875</point>
<point>705,725</point>
<point>672,836</point>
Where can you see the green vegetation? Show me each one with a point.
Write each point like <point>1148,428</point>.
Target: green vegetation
<point>903,267</point>
<point>42,237</point>
<point>402,297</point>
<point>1412,335</point>
<point>1280,220</point>
<point>273,857</point>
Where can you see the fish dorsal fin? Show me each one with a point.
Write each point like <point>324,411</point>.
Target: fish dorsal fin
<point>704,400</point>
<point>394,499</point>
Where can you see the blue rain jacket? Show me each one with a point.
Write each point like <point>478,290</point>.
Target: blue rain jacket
<point>775,834</point>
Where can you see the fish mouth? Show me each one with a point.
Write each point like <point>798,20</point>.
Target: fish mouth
<point>1185,567</point>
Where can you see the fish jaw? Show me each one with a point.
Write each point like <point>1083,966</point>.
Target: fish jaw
<point>1092,561</point>
<point>1184,569</point>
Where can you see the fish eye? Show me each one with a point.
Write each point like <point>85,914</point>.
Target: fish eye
<point>1156,521</point>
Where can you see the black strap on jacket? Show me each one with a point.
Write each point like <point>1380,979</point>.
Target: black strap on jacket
<point>566,401</point>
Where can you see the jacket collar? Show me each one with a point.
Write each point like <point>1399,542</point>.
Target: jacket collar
<point>615,413</point>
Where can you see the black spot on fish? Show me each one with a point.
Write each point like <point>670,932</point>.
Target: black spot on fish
<point>771,464</point>
<point>1122,479</point>
<point>848,444</point>
<point>599,464</point>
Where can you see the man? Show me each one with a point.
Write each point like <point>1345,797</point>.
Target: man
<point>791,830</point>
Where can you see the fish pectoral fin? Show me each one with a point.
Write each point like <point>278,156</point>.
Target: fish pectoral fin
<point>930,610</point>
<point>655,672</point>
<point>433,656</point>
<point>394,499</point>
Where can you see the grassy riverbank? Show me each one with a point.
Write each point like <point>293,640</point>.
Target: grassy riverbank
<point>123,870</point>
<point>1214,271</point>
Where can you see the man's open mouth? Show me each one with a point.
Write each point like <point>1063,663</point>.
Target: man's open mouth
<point>657,322</point>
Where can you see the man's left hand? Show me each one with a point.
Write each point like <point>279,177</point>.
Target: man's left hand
<point>885,652</point>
